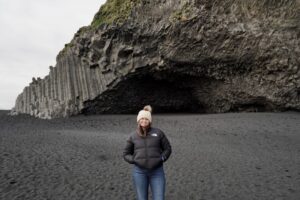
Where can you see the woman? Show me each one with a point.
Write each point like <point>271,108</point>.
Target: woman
<point>147,148</point>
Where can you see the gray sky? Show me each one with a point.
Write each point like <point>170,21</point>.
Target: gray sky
<point>32,33</point>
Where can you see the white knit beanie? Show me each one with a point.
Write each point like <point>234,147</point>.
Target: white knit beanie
<point>146,113</point>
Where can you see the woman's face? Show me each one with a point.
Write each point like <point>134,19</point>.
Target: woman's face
<point>144,122</point>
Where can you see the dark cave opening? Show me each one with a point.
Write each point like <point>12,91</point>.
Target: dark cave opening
<point>174,93</point>
<point>130,96</point>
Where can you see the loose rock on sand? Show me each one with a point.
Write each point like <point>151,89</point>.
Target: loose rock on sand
<point>215,156</point>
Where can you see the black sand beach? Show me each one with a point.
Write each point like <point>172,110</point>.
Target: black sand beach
<point>234,156</point>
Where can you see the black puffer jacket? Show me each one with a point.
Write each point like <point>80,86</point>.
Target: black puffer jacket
<point>149,152</point>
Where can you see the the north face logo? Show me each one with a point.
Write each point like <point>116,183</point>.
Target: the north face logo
<point>154,134</point>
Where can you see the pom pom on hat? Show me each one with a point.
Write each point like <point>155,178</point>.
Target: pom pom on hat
<point>148,108</point>
<point>146,113</point>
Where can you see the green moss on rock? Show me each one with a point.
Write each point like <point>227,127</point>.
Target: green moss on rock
<point>65,49</point>
<point>114,11</point>
<point>184,13</point>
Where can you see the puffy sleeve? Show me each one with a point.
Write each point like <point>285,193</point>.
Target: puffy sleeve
<point>166,147</point>
<point>128,150</point>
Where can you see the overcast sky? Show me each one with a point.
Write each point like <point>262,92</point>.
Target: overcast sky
<point>32,33</point>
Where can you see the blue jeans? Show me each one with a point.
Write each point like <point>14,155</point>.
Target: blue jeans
<point>143,177</point>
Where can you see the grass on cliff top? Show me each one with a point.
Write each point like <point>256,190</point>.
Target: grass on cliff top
<point>114,11</point>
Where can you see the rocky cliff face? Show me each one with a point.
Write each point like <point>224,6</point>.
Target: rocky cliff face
<point>190,55</point>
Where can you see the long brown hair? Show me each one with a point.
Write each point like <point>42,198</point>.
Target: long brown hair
<point>141,132</point>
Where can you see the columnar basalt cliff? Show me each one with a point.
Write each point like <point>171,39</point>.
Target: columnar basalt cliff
<point>190,55</point>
